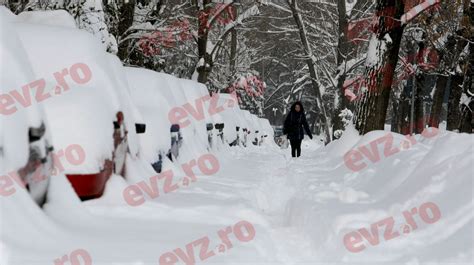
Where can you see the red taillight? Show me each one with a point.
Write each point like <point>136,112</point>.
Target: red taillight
<point>90,186</point>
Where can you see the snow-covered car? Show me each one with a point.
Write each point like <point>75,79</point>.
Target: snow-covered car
<point>242,123</point>
<point>219,122</point>
<point>199,100</point>
<point>157,142</point>
<point>193,129</point>
<point>231,118</point>
<point>250,129</point>
<point>267,130</point>
<point>266,127</point>
<point>159,97</point>
<point>84,102</point>
<point>25,151</point>
<point>135,122</point>
<point>262,134</point>
<point>278,135</point>
<point>212,110</point>
<point>257,130</point>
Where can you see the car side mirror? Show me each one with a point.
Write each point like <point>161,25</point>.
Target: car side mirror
<point>140,128</point>
<point>34,134</point>
<point>219,126</point>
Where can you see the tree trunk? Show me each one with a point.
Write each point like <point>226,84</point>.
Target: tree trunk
<point>205,60</point>
<point>443,82</point>
<point>455,92</point>
<point>395,123</point>
<point>404,115</point>
<point>127,12</point>
<point>342,53</point>
<point>312,69</point>
<point>466,122</point>
<point>233,46</point>
<point>438,99</point>
<point>420,80</point>
<point>419,119</point>
<point>454,113</point>
<point>372,107</point>
<point>205,63</point>
<point>461,69</point>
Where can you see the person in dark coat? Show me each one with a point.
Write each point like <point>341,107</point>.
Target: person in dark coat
<point>295,126</point>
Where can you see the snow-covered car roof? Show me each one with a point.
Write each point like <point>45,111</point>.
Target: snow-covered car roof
<point>14,124</point>
<point>160,87</point>
<point>196,130</point>
<point>229,115</point>
<point>153,108</point>
<point>266,127</point>
<point>249,120</point>
<point>58,18</point>
<point>128,107</point>
<point>78,114</point>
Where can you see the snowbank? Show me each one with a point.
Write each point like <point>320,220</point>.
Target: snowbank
<point>15,72</point>
<point>57,18</point>
<point>153,107</point>
<point>346,214</point>
<point>74,106</point>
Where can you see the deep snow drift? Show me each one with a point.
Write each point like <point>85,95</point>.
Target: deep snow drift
<point>312,210</point>
<point>378,199</point>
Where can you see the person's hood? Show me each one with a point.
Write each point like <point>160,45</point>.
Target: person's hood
<point>292,109</point>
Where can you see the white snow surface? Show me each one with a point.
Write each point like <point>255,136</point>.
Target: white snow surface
<point>15,72</point>
<point>78,115</point>
<point>59,18</point>
<point>301,209</point>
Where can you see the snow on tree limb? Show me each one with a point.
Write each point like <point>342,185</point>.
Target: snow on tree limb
<point>279,7</point>
<point>220,9</point>
<point>252,11</point>
<point>417,10</point>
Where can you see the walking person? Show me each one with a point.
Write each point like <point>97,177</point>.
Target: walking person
<point>295,126</point>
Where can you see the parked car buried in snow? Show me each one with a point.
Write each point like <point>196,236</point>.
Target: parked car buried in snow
<point>36,165</point>
<point>176,142</point>
<point>162,139</point>
<point>87,106</point>
<point>220,128</point>
<point>278,138</point>
<point>25,143</point>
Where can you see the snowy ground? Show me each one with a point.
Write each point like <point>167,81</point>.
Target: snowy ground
<point>301,211</point>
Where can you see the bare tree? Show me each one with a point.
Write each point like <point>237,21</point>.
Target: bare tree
<point>381,61</point>
<point>312,70</point>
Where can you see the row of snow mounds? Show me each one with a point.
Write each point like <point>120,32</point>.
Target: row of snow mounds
<point>115,233</point>
<point>80,115</point>
<point>29,235</point>
<point>157,95</point>
<point>153,106</point>
<point>333,203</point>
<point>150,89</point>
<point>142,234</point>
<point>76,112</point>
<point>15,73</point>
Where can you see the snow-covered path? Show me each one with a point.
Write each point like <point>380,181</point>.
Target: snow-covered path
<point>301,210</point>
<point>116,233</point>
